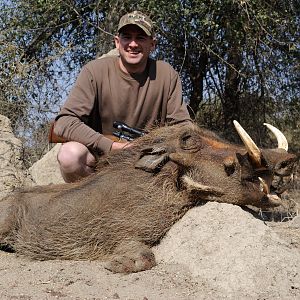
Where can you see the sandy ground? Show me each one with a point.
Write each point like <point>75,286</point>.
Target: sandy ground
<point>23,279</point>
<point>216,251</point>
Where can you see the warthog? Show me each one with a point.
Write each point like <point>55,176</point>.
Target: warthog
<point>137,194</point>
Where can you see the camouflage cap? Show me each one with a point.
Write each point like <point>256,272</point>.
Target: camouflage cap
<point>139,19</point>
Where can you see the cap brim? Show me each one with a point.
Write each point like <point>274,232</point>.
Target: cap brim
<point>139,25</point>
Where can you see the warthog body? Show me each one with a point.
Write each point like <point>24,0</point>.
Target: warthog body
<point>126,207</point>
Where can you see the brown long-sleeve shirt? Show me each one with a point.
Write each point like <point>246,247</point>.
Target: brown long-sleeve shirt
<point>103,94</point>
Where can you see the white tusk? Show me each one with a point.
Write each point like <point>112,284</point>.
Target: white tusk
<point>263,186</point>
<point>281,139</point>
<point>251,147</point>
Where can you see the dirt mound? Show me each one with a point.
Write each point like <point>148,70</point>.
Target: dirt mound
<point>234,253</point>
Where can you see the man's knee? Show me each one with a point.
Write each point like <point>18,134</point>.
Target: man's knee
<point>72,156</point>
<point>76,161</point>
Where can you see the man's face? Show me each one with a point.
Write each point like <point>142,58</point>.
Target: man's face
<point>134,46</point>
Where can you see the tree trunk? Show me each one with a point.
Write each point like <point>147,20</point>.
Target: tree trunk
<point>197,75</point>
<point>231,103</point>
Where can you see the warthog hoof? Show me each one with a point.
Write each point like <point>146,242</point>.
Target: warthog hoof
<point>138,258</point>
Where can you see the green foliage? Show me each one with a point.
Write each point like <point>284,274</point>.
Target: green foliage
<point>238,59</point>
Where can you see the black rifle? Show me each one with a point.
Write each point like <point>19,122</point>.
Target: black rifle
<point>126,132</point>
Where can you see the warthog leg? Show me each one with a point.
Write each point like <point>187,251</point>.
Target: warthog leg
<point>131,256</point>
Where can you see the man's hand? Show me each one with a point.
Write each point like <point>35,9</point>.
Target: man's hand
<point>120,146</point>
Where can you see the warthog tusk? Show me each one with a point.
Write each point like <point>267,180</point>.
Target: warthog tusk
<point>281,139</point>
<point>273,199</point>
<point>251,147</point>
<point>263,186</point>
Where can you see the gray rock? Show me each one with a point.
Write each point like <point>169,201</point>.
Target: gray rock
<point>46,170</point>
<point>13,174</point>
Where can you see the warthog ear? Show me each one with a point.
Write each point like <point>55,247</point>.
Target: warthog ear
<point>152,159</point>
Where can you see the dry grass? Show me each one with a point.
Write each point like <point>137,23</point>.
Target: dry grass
<point>291,207</point>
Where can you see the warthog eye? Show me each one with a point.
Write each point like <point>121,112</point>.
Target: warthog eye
<point>188,142</point>
<point>284,164</point>
<point>229,165</point>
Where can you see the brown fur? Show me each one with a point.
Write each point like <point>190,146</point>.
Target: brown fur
<point>134,198</point>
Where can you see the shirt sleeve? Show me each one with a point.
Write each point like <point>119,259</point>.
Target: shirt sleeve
<point>176,108</point>
<point>72,121</point>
